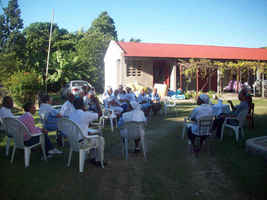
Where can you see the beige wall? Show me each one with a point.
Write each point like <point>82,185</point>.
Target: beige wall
<point>146,75</point>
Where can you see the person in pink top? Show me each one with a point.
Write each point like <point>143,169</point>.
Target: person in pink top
<point>28,121</point>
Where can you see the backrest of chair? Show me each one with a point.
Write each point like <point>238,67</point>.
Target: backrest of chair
<point>204,125</point>
<point>42,117</point>
<point>134,129</point>
<point>16,129</point>
<point>242,117</point>
<point>71,130</point>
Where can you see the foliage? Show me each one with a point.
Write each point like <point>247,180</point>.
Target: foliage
<point>104,24</point>
<point>135,40</point>
<point>23,86</point>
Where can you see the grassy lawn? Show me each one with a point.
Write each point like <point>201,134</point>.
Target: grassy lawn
<point>171,172</point>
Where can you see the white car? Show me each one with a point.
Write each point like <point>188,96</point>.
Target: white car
<point>75,87</point>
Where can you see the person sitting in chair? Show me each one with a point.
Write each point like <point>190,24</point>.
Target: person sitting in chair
<point>83,119</point>
<point>155,99</point>
<point>143,100</point>
<point>135,115</point>
<point>28,121</point>
<point>67,107</point>
<point>204,109</point>
<point>7,105</point>
<point>236,110</point>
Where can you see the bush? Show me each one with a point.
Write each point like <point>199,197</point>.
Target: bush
<point>23,87</point>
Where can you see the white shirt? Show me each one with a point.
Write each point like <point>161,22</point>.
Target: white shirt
<point>45,109</point>
<point>66,109</point>
<point>5,112</point>
<point>83,118</point>
<point>130,96</point>
<point>200,111</point>
<point>142,98</point>
<point>136,115</point>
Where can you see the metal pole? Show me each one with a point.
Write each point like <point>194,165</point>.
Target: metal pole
<point>48,52</point>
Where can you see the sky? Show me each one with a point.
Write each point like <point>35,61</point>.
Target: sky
<point>240,23</point>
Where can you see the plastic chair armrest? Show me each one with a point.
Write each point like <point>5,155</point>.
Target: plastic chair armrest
<point>91,136</point>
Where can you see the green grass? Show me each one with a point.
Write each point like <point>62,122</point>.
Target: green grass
<point>171,172</point>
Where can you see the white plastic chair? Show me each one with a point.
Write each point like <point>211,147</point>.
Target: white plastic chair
<point>132,131</point>
<point>168,105</point>
<point>73,131</point>
<point>109,114</point>
<point>17,129</point>
<point>241,120</point>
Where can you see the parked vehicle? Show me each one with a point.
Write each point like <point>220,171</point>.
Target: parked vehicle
<point>75,87</point>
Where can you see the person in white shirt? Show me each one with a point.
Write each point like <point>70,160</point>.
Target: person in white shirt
<point>5,111</point>
<point>67,108</point>
<point>204,109</point>
<point>83,119</point>
<point>135,115</point>
<point>107,96</point>
<point>111,102</point>
<point>7,105</point>
<point>155,101</point>
<point>130,95</point>
<point>144,100</point>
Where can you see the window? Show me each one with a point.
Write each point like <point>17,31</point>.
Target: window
<point>134,69</point>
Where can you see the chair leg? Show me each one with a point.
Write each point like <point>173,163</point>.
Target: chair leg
<point>7,145</point>
<point>69,160</point>
<point>222,131</point>
<point>27,156</point>
<point>236,130</point>
<point>13,153</point>
<point>42,140</point>
<point>143,146</point>
<point>126,148</point>
<point>111,124</point>
<point>82,159</point>
<point>242,132</point>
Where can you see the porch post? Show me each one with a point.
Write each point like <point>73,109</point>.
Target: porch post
<point>197,79</point>
<point>173,78</point>
<point>181,76</point>
<point>218,81</point>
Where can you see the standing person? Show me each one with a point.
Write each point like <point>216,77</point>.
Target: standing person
<point>28,121</point>
<point>155,99</point>
<point>204,109</point>
<point>83,119</point>
<point>7,105</point>
<point>67,107</point>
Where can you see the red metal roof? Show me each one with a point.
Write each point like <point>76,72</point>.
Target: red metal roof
<point>135,49</point>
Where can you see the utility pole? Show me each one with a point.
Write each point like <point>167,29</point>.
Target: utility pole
<point>48,52</point>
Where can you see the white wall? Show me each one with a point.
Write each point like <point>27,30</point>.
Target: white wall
<point>112,61</point>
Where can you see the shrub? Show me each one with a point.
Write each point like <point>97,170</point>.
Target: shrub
<point>23,87</point>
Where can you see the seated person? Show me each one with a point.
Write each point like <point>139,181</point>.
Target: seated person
<point>110,101</point>
<point>143,99</point>
<point>236,110</point>
<point>121,99</point>
<point>83,119</point>
<point>130,95</point>
<point>67,107</point>
<point>204,109</point>
<point>107,95</point>
<point>135,115</point>
<point>93,103</point>
<point>7,105</point>
<point>28,121</point>
<point>49,113</point>
<point>5,111</point>
<point>155,100</point>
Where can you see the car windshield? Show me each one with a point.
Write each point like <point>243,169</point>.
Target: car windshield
<point>79,84</point>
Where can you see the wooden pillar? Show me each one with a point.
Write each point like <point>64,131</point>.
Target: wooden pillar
<point>197,83</point>
<point>218,81</point>
<point>181,76</point>
<point>173,78</point>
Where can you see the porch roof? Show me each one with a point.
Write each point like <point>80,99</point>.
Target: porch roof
<point>135,49</point>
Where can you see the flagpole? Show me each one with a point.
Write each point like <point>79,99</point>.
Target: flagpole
<point>48,52</point>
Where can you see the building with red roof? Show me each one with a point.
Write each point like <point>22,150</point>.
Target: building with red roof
<point>150,63</point>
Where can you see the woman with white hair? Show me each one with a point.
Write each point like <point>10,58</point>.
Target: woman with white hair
<point>204,109</point>
<point>135,115</point>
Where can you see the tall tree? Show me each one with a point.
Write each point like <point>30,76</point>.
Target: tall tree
<point>12,41</point>
<point>104,24</point>
<point>37,36</point>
